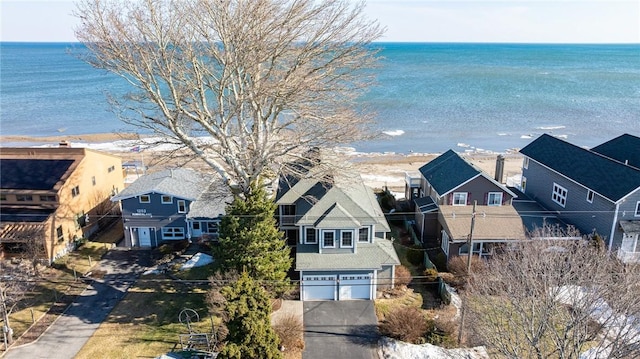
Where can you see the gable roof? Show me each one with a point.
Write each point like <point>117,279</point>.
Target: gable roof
<point>449,171</point>
<point>33,174</point>
<point>624,148</point>
<point>179,182</point>
<point>608,177</point>
<point>346,202</point>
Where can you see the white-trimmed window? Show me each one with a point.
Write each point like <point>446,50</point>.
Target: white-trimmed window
<point>363,235</point>
<point>590,195</point>
<point>637,214</point>
<point>196,225</point>
<point>145,198</point>
<point>166,199</point>
<point>459,198</point>
<point>525,163</point>
<point>523,184</point>
<point>464,249</point>
<point>75,191</point>
<point>182,206</point>
<point>93,180</point>
<point>172,233</point>
<point>494,199</point>
<point>328,239</point>
<point>559,195</point>
<point>310,236</point>
<point>346,239</point>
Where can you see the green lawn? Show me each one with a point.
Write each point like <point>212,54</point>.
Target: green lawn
<point>145,323</point>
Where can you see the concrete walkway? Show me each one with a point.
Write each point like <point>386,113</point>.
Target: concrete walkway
<point>68,334</point>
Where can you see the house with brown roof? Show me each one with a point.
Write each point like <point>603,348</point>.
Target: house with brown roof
<point>449,186</point>
<point>52,197</point>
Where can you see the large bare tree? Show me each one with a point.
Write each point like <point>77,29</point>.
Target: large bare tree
<point>245,85</point>
<point>556,299</point>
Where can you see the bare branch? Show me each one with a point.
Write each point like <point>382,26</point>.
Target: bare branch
<point>262,79</point>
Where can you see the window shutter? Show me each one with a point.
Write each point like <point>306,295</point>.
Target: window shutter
<point>486,198</point>
<point>450,199</point>
<point>468,198</point>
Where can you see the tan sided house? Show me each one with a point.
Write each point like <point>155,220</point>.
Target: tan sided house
<point>52,197</point>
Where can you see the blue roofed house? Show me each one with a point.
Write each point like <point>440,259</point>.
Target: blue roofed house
<point>449,185</point>
<point>597,190</point>
<point>172,205</point>
<point>339,233</point>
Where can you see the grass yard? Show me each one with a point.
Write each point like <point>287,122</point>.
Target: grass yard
<point>57,285</point>
<point>145,323</point>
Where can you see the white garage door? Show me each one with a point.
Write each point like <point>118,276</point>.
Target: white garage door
<point>319,287</point>
<point>355,286</point>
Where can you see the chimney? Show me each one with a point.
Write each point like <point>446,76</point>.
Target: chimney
<point>499,168</point>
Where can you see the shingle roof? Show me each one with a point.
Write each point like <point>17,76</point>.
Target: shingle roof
<point>601,174</point>
<point>368,256</point>
<point>534,216</point>
<point>448,171</point>
<point>180,182</point>
<point>339,200</point>
<point>32,174</point>
<point>492,223</point>
<point>624,148</point>
<point>212,202</point>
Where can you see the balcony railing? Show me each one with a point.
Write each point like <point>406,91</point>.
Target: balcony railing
<point>628,257</point>
<point>287,219</point>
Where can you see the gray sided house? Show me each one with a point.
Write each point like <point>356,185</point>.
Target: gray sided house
<point>449,185</point>
<point>339,232</point>
<point>171,205</point>
<point>596,190</point>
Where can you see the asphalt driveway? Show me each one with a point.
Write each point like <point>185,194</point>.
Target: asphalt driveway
<point>340,329</point>
<point>66,336</point>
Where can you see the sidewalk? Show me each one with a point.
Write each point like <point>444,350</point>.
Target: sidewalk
<point>68,334</point>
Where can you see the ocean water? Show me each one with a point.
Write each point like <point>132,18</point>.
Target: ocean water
<point>429,98</point>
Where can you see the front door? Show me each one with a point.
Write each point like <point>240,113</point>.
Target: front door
<point>144,237</point>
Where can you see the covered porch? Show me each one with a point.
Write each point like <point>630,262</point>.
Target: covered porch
<point>629,251</point>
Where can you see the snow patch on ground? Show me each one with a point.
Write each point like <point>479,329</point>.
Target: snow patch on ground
<point>198,260</point>
<point>393,349</point>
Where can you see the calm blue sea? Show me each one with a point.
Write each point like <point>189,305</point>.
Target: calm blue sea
<point>429,98</point>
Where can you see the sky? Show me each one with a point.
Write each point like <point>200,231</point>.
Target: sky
<point>540,21</point>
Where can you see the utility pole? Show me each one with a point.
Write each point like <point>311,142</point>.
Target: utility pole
<point>470,247</point>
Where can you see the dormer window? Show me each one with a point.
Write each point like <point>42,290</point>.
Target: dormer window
<point>166,199</point>
<point>328,239</point>
<point>346,239</point>
<point>310,236</point>
<point>145,198</point>
<point>363,235</point>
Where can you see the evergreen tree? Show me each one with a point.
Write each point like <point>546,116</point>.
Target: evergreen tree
<point>250,241</point>
<point>248,311</point>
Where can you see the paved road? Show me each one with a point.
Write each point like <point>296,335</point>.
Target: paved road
<point>340,329</point>
<point>68,334</point>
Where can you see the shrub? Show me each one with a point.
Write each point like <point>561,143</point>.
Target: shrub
<point>407,324</point>
<point>415,255</point>
<point>458,265</point>
<point>403,276</point>
<point>430,274</point>
<point>442,332</point>
<point>290,329</point>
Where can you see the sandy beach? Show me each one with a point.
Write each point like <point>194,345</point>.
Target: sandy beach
<point>377,169</point>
